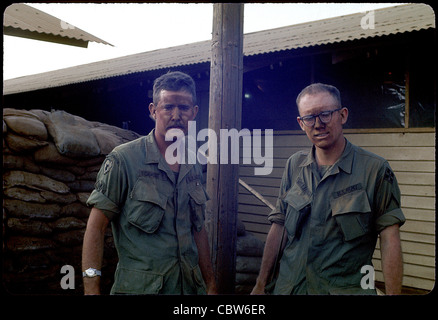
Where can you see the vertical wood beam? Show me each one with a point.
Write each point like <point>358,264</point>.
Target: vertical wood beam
<point>226,74</point>
<point>407,88</point>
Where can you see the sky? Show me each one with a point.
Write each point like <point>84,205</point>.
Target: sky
<point>133,28</point>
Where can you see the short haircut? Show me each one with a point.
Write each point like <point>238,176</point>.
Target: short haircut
<point>318,88</point>
<point>174,81</point>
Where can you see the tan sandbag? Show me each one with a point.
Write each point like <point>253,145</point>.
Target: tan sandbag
<point>249,245</point>
<point>22,144</point>
<point>24,194</point>
<point>83,197</point>
<point>248,264</point>
<point>21,162</point>
<point>29,210</point>
<point>51,154</point>
<point>58,174</point>
<point>27,126</point>
<point>71,135</point>
<point>70,238</point>
<point>33,181</point>
<point>246,278</point>
<point>65,198</point>
<point>107,140</point>
<point>29,227</point>
<point>19,112</point>
<point>81,185</point>
<point>75,209</point>
<point>42,114</point>
<point>67,223</point>
<point>43,196</point>
<point>19,243</point>
<point>123,134</point>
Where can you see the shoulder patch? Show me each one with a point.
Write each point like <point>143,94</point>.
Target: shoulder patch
<point>389,175</point>
<point>107,166</point>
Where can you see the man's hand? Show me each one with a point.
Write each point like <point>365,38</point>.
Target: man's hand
<point>258,289</point>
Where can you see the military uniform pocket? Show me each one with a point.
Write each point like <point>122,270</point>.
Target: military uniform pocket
<point>297,212</point>
<point>197,202</point>
<point>130,281</point>
<point>148,206</point>
<point>352,212</point>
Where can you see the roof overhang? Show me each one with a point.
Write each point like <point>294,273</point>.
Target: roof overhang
<point>21,20</point>
<point>388,21</point>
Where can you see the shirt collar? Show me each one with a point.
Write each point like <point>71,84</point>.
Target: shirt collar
<point>345,162</point>
<point>152,152</point>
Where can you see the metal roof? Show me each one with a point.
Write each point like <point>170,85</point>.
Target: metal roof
<point>21,20</point>
<point>393,20</point>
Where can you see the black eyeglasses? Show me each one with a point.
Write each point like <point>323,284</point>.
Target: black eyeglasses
<point>324,117</point>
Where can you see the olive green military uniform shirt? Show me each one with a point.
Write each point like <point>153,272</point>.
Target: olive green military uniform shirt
<point>153,213</point>
<point>333,217</point>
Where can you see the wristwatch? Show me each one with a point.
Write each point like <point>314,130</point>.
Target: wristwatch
<point>91,273</point>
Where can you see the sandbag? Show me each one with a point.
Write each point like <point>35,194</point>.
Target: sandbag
<point>29,243</point>
<point>27,126</point>
<point>246,264</point>
<point>22,144</point>
<point>109,137</point>
<point>33,181</point>
<point>50,153</point>
<point>29,210</point>
<point>249,245</point>
<point>29,227</point>
<point>107,140</point>
<point>72,136</point>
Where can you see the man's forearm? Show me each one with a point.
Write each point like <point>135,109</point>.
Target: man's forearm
<point>270,255</point>
<point>205,265</point>
<point>92,251</point>
<point>392,263</point>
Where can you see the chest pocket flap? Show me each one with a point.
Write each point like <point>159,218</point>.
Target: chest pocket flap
<point>149,206</point>
<point>295,198</point>
<point>352,212</point>
<point>298,210</point>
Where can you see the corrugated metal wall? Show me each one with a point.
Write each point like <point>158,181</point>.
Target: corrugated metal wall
<point>411,156</point>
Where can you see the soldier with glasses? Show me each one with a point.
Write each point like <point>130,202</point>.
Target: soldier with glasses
<point>335,200</point>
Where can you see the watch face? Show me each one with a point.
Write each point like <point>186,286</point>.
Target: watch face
<point>90,272</point>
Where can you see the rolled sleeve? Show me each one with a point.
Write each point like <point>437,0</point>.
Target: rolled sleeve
<point>390,218</point>
<point>100,201</point>
<point>276,215</point>
<point>388,206</point>
<point>110,187</point>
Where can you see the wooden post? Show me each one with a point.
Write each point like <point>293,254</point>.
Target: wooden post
<point>225,113</point>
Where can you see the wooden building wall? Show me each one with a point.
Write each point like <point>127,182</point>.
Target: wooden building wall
<point>411,156</point>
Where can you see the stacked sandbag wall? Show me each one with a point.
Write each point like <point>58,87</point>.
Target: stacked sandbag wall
<point>50,163</point>
<point>249,252</point>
